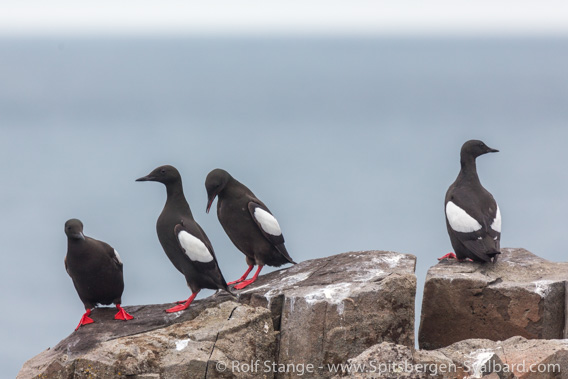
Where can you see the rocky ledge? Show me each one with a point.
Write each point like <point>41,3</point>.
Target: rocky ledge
<point>521,295</point>
<point>350,314</point>
<point>317,313</point>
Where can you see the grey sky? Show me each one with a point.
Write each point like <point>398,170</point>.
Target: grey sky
<point>298,17</point>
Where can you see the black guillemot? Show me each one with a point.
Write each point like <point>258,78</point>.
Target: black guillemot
<point>473,218</point>
<point>183,240</point>
<point>96,270</point>
<point>248,222</point>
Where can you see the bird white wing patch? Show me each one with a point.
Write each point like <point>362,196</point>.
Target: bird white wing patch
<point>459,220</point>
<point>267,222</point>
<point>496,225</point>
<point>194,248</point>
<point>117,256</point>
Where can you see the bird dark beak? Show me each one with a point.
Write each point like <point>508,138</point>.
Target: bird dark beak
<point>210,201</point>
<point>145,179</point>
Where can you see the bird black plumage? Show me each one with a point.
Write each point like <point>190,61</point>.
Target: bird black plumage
<point>96,270</point>
<point>248,222</point>
<point>183,240</point>
<point>473,218</point>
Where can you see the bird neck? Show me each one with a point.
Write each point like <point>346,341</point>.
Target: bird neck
<point>76,246</point>
<point>75,241</point>
<point>468,169</point>
<point>175,190</point>
<point>176,198</point>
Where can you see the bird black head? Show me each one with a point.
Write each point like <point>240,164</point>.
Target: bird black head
<point>163,174</point>
<point>74,229</point>
<point>214,183</point>
<point>475,148</point>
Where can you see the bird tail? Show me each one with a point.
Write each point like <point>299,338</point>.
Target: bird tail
<point>226,290</point>
<point>282,250</point>
<point>232,294</point>
<point>494,255</point>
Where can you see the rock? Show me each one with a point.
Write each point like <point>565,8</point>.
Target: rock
<point>390,361</point>
<point>474,358</point>
<point>159,345</point>
<point>332,309</point>
<point>385,360</point>
<point>315,313</point>
<point>520,295</point>
<point>515,357</point>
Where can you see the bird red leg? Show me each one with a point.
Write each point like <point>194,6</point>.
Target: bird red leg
<point>448,256</point>
<point>242,285</point>
<point>183,306</point>
<point>122,314</point>
<point>242,277</point>
<point>85,319</point>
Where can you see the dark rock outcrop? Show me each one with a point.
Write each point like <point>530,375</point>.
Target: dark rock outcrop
<point>520,295</point>
<point>317,312</point>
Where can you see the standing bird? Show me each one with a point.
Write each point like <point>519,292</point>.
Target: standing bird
<point>96,270</point>
<point>248,223</point>
<point>473,218</point>
<point>183,240</point>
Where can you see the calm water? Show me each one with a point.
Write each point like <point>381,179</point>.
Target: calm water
<point>352,144</point>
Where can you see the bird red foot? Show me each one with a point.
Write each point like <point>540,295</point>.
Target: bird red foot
<point>453,256</point>
<point>448,256</point>
<point>183,305</point>
<point>85,319</point>
<point>122,314</point>
<point>242,285</point>
<point>242,277</point>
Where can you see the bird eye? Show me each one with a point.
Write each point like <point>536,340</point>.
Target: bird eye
<point>163,171</point>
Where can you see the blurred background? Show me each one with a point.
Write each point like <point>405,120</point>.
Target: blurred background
<point>345,118</point>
